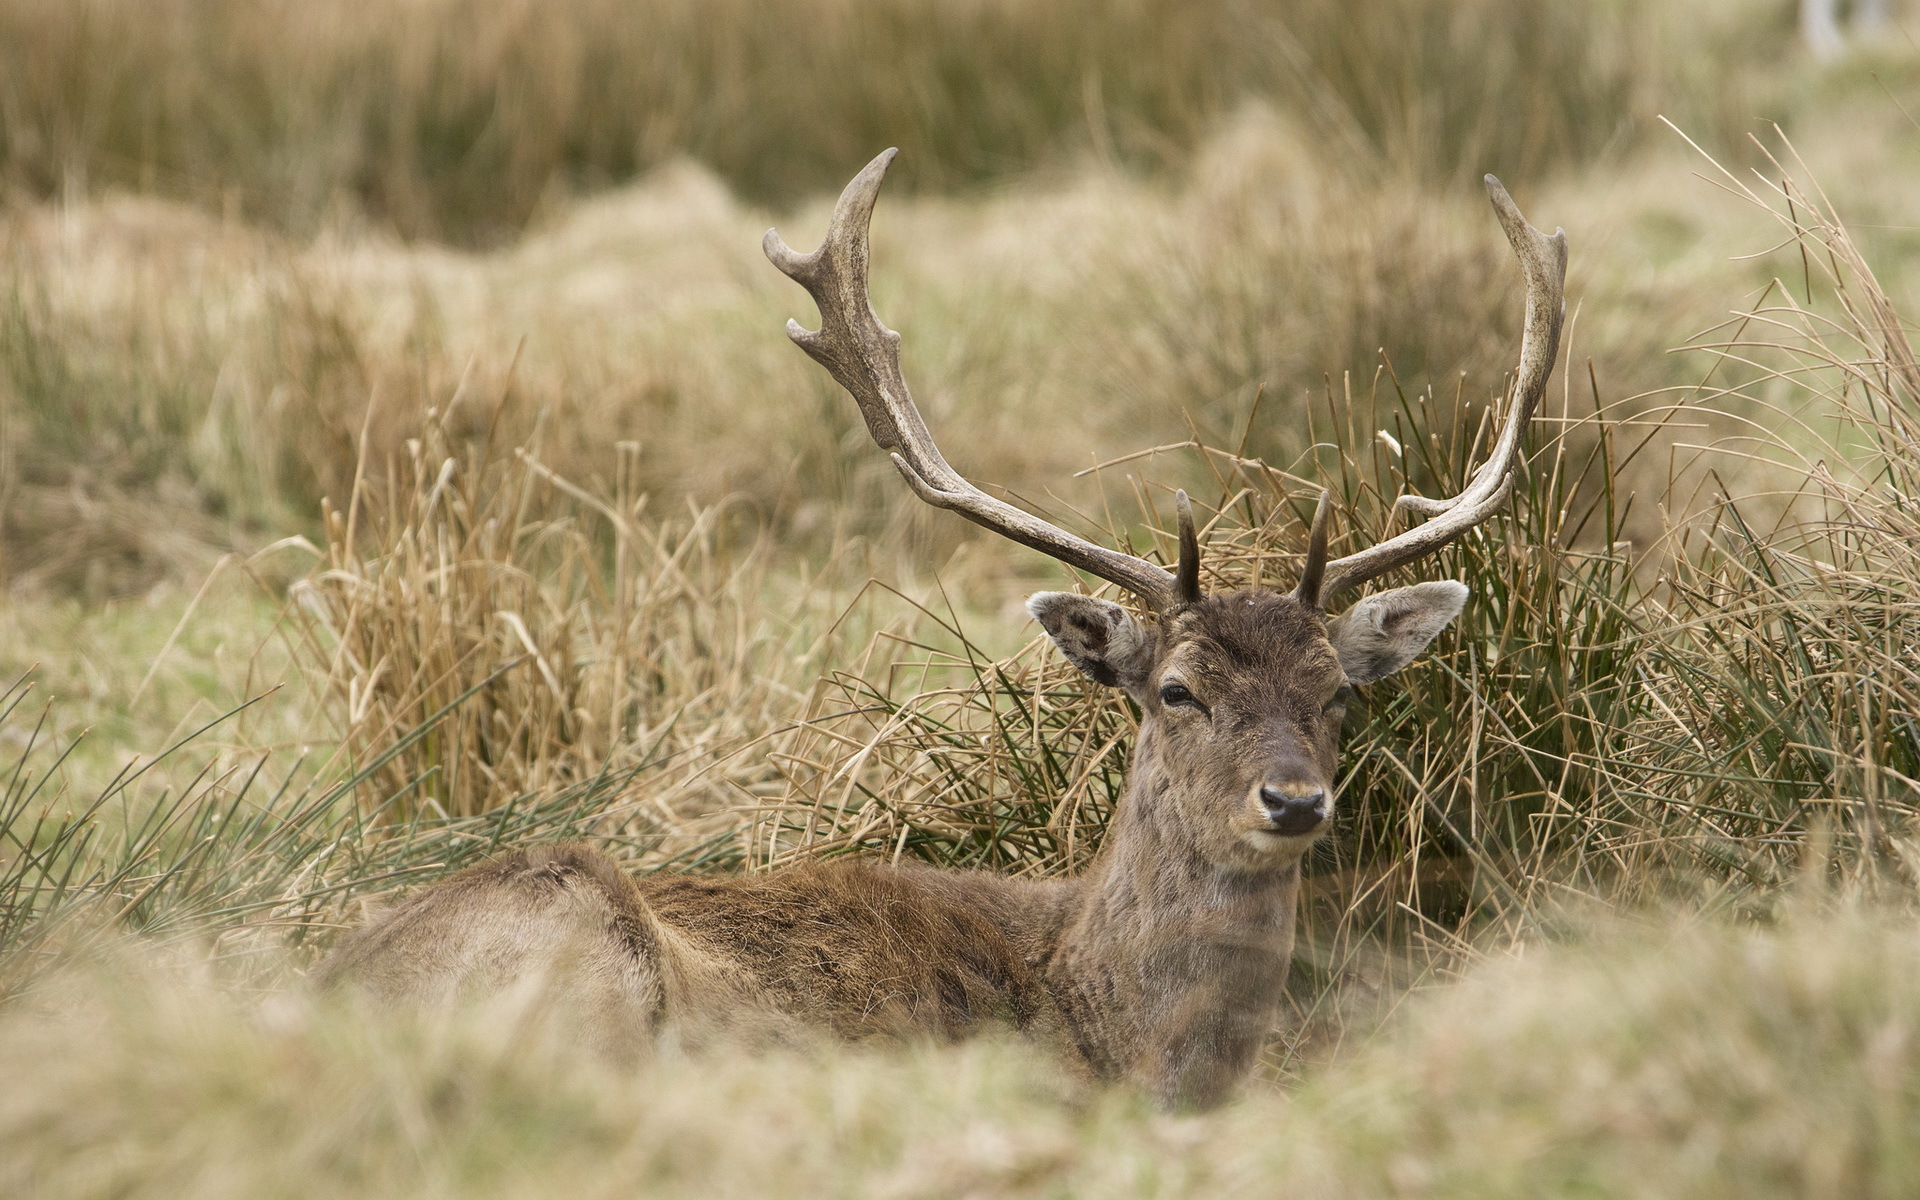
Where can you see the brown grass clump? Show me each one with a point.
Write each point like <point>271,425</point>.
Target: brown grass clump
<point>541,633</point>
<point>1787,696</point>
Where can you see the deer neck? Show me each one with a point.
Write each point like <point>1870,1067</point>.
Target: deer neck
<point>1149,886</point>
<point>1167,956</point>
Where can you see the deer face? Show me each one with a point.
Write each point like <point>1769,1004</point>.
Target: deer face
<point>1242,697</point>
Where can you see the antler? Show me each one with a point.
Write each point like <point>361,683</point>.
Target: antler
<point>864,356</point>
<point>1544,261</point>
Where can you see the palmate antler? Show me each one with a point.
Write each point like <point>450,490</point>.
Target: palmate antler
<point>864,356</point>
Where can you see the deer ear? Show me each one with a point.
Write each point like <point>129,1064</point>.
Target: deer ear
<point>1383,632</point>
<point>1098,636</point>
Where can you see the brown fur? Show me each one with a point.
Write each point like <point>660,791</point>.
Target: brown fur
<point>1163,963</point>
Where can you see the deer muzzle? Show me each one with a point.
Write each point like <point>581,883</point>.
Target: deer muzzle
<point>1294,811</point>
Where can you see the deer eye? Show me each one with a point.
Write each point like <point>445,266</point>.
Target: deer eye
<point>1175,695</point>
<point>1340,700</point>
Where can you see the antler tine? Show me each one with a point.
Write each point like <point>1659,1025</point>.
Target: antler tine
<point>1314,570</point>
<point>864,356</point>
<point>1187,580</point>
<point>1543,260</point>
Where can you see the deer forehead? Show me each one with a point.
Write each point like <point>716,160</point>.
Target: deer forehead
<point>1251,638</point>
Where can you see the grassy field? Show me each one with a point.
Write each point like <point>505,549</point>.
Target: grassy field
<point>400,458</point>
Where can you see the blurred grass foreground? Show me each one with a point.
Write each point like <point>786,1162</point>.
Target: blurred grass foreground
<point>401,459</point>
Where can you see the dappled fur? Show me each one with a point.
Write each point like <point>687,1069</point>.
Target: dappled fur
<point>1163,963</point>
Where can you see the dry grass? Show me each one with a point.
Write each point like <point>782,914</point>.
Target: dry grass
<point>464,120</point>
<point>568,634</point>
<point>1698,1063</point>
<point>1789,688</point>
<point>154,356</point>
<point>156,360</point>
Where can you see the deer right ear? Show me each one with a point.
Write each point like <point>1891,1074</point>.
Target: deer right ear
<point>1098,636</point>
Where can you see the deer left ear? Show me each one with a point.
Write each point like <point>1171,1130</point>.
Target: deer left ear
<point>1098,636</point>
<point>1383,632</point>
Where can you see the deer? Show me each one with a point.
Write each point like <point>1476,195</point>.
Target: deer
<point>1162,963</point>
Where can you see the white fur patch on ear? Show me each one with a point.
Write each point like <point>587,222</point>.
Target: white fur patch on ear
<point>1098,636</point>
<point>1382,633</point>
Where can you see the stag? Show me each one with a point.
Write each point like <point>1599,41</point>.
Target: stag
<point>1163,962</point>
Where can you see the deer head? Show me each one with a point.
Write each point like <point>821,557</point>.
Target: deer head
<point>1241,695</point>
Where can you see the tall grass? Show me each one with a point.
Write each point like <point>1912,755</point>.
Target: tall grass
<point>1788,697</point>
<point>566,634</point>
<point>462,120</point>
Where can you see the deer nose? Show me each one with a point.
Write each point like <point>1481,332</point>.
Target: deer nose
<point>1294,813</point>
